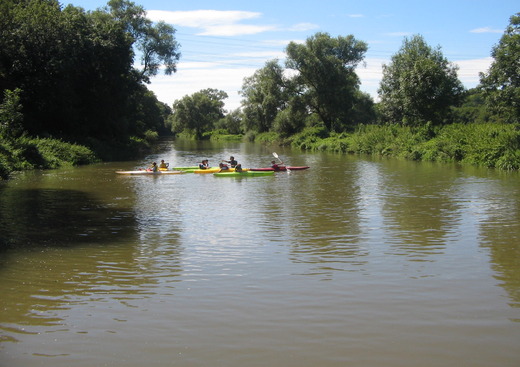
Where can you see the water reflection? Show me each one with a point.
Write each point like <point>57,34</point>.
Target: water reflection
<point>53,217</point>
<point>199,266</point>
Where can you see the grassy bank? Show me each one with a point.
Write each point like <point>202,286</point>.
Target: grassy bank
<point>488,145</point>
<point>33,153</point>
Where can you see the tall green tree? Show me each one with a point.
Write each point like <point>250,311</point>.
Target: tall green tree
<point>501,84</point>
<point>11,117</point>
<point>232,122</point>
<point>198,113</point>
<point>326,77</point>
<point>419,85</point>
<point>264,96</point>
<point>75,72</point>
<point>155,42</point>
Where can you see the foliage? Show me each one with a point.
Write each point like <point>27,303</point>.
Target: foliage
<point>223,135</point>
<point>156,43</point>
<point>308,137</point>
<point>232,122</point>
<point>269,138</point>
<point>11,117</point>
<point>473,109</point>
<point>199,112</point>
<point>488,144</point>
<point>264,96</point>
<point>419,85</point>
<point>501,84</point>
<point>74,69</point>
<point>56,153</point>
<point>325,76</point>
<point>34,153</point>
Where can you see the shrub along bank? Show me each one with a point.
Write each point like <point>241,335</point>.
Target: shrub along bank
<point>33,153</point>
<point>488,144</point>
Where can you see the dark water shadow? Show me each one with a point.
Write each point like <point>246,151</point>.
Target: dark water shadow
<point>60,218</point>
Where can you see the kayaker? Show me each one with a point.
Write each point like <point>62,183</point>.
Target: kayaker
<point>232,162</point>
<point>163,165</point>
<point>153,167</point>
<point>275,165</point>
<point>204,164</point>
<point>223,167</point>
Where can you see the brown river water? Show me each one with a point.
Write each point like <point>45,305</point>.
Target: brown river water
<point>353,262</point>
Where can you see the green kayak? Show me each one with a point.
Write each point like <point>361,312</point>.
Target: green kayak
<point>186,169</point>
<point>244,174</point>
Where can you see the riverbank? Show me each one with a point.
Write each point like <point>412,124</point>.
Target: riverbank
<point>486,145</point>
<point>26,153</point>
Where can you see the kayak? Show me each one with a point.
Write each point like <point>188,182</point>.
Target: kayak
<point>244,174</point>
<point>281,168</point>
<point>186,169</point>
<point>145,172</point>
<point>216,170</point>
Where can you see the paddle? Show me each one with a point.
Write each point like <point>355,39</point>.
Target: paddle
<point>276,156</point>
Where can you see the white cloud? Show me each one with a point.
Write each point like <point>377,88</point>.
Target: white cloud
<point>212,22</point>
<point>469,70</point>
<point>486,30</point>
<point>193,77</point>
<point>235,30</point>
<point>221,22</point>
<point>201,18</point>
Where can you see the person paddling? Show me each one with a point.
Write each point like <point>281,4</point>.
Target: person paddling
<point>204,164</point>
<point>223,167</point>
<point>232,162</point>
<point>153,167</point>
<point>163,165</point>
<point>275,165</point>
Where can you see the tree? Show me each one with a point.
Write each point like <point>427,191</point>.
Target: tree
<point>264,96</point>
<point>326,76</point>
<point>198,113</point>
<point>11,117</point>
<point>419,85</point>
<point>501,84</point>
<point>74,69</point>
<point>156,43</point>
<point>232,122</point>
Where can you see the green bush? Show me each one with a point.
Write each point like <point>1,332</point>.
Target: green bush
<point>56,153</point>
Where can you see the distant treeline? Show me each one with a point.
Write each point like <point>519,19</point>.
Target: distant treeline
<point>70,94</point>
<point>314,102</point>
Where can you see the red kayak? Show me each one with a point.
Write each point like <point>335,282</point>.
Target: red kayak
<point>280,168</point>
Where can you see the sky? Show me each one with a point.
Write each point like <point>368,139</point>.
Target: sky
<point>222,42</point>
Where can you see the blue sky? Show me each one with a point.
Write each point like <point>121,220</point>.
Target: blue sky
<point>224,41</point>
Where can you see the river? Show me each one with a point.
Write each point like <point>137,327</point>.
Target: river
<point>353,262</point>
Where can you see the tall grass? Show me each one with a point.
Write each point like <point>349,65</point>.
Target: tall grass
<point>33,153</point>
<point>488,144</point>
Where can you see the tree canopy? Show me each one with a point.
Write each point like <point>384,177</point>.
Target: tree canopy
<point>264,96</point>
<point>74,69</point>
<point>501,84</point>
<point>325,75</point>
<point>419,85</point>
<point>199,112</point>
<point>318,85</point>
